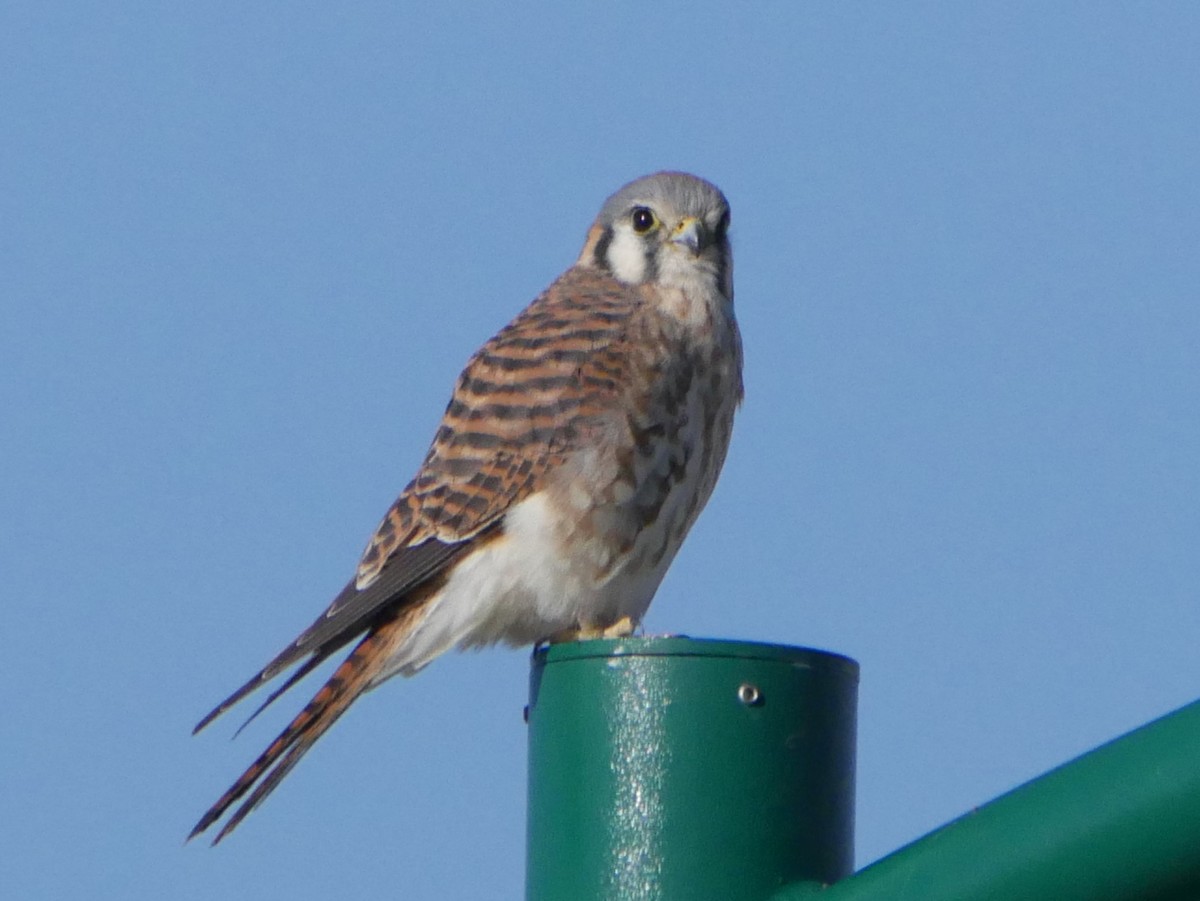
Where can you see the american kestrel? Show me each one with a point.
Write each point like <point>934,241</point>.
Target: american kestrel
<point>579,446</point>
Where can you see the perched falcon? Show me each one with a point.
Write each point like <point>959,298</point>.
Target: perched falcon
<point>579,446</point>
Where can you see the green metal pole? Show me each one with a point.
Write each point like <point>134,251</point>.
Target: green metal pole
<point>1120,823</point>
<point>673,768</point>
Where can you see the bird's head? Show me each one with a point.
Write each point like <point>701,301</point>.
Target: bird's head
<point>669,229</point>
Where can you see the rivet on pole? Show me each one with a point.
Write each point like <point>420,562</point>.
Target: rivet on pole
<point>749,694</point>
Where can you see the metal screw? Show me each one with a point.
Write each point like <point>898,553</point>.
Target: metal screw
<point>749,694</point>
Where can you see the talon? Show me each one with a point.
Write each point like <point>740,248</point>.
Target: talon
<point>622,628</point>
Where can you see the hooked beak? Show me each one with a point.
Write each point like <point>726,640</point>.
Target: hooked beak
<point>690,233</point>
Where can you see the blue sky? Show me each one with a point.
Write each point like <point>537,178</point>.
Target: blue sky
<point>245,249</point>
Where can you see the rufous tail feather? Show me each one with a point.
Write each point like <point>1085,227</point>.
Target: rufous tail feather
<point>348,681</point>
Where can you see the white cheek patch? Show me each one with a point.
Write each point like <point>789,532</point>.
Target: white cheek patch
<point>626,256</point>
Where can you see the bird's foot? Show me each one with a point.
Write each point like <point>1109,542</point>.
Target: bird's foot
<point>622,628</point>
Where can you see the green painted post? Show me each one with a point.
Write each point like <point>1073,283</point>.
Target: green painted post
<point>1120,823</point>
<point>674,768</point>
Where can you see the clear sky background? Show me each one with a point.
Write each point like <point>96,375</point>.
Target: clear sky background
<point>245,249</point>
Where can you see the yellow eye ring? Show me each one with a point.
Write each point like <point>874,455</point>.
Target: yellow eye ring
<point>643,219</point>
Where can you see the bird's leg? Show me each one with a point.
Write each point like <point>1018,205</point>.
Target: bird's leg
<point>622,628</point>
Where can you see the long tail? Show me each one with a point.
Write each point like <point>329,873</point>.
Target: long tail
<point>349,680</point>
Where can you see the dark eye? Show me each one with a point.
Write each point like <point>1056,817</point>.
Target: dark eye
<point>643,219</point>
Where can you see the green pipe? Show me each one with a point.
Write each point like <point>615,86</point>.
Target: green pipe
<point>1121,822</point>
<point>681,769</point>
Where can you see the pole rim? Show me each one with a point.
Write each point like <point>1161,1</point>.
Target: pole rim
<point>686,646</point>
